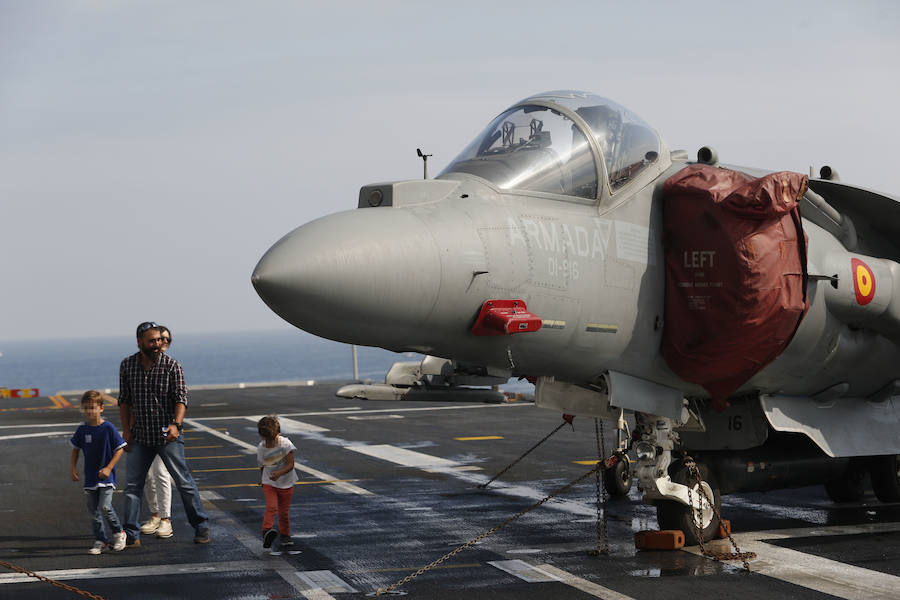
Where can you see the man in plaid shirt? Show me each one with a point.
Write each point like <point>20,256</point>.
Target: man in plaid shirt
<point>152,403</point>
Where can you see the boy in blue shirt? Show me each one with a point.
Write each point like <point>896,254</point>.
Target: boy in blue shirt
<point>103,447</point>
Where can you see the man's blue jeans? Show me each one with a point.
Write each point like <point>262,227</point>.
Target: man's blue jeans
<point>99,505</point>
<point>139,459</point>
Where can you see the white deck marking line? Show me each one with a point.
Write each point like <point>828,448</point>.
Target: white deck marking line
<point>324,581</point>
<point>73,425</point>
<point>588,587</point>
<point>338,486</point>
<point>34,435</point>
<point>404,457</point>
<point>291,425</point>
<point>824,530</point>
<point>522,570</point>
<point>382,410</point>
<point>374,417</point>
<point>139,571</point>
<point>251,541</point>
<point>814,572</point>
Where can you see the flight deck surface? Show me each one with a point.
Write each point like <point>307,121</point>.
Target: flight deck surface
<point>388,487</point>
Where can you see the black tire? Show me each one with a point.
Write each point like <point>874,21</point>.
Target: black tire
<point>617,480</point>
<point>885,471</point>
<point>849,487</point>
<point>671,514</point>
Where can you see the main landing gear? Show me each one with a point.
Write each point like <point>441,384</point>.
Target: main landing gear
<point>681,501</point>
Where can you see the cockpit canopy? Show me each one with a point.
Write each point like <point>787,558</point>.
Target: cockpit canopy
<point>542,144</point>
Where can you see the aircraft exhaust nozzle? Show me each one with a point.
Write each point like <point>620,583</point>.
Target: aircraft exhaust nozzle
<point>360,277</point>
<point>828,173</point>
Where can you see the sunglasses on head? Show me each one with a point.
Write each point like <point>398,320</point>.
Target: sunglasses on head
<point>145,326</point>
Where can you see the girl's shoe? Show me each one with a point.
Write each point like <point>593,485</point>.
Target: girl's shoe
<point>269,537</point>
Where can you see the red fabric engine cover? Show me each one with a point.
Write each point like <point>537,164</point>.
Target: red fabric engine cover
<point>735,274</point>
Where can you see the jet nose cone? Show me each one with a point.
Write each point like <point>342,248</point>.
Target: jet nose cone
<point>367,276</point>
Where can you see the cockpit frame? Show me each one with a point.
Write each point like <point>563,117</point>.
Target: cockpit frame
<point>606,195</point>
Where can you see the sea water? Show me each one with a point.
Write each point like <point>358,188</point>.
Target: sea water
<point>207,358</point>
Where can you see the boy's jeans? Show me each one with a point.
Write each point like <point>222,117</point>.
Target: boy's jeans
<point>99,505</point>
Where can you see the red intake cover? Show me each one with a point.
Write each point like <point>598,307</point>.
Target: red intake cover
<point>735,274</point>
<point>504,317</point>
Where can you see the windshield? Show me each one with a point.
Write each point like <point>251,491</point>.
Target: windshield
<point>536,148</point>
<point>532,148</point>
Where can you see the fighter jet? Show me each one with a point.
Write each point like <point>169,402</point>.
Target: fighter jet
<point>748,319</point>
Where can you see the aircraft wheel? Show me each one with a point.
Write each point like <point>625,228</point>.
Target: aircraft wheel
<point>885,472</point>
<point>675,515</point>
<point>617,480</point>
<point>849,487</point>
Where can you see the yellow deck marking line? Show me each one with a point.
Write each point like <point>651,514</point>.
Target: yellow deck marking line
<point>219,470</point>
<point>586,462</point>
<point>55,402</point>
<point>26,408</point>
<point>480,437</point>
<point>338,485</point>
<point>216,457</point>
<point>65,403</point>
<point>237,485</point>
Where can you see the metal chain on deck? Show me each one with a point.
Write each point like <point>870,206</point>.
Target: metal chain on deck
<point>717,556</point>
<point>527,452</point>
<point>69,588</point>
<point>601,474</point>
<point>494,529</point>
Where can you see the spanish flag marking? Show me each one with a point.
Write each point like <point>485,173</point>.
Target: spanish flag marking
<point>863,281</point>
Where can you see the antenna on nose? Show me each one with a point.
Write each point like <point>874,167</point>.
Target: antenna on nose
<point>424,158</point>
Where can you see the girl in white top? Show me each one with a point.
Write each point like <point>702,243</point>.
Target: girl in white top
<point>275,457</point>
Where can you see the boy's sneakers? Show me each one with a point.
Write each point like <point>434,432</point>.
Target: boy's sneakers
<point>286,541</point>
<point>164,530</point>
<point>269,537</point>
<point>201,536</point>
<point>98,547</point>
<point>151,525</point>
<point>118,541</point>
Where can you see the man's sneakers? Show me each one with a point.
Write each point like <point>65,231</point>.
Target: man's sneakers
<point>152,525</point>
<point>132,542</point>
<point>286,541</point>
<point>201,536</point>
<point>269,537</point>
<point>164,530</point>
<point>98,547</point>
<point>118,541</point>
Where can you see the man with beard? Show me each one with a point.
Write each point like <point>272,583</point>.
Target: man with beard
<point>153,398</point>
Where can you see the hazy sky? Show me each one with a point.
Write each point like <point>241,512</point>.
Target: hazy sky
<point>150,152</point>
